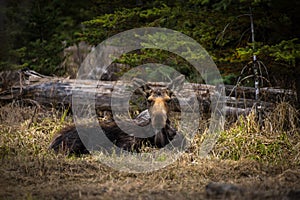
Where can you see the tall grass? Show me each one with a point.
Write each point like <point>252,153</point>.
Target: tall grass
<point>26,131</point>
<point>23,131</point>
<point>276,142</point>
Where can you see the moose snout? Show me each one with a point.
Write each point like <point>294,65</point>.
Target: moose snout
<point>158,121</point>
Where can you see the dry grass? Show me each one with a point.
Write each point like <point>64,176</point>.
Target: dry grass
<point>264,163</point>
<point>277,142</point>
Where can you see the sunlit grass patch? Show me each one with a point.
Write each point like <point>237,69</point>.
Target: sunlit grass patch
<point>276,142</point>
<point>28,134</point>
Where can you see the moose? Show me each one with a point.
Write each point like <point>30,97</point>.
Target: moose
<point>156,116</point>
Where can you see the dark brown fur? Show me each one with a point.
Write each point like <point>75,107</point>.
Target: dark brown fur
<point>68,140</point>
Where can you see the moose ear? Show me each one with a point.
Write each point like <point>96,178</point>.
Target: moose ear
<point>177,83</point>
<point>167,98</point>
<point>169,93</point>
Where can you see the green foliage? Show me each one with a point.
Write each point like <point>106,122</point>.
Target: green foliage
<point>175,18</point>
<point>33,30</point>
<point>104,26</point>
<point>159,56</point>
<point>229,79</point>
<point>286,51</point>
<point>37,31</point>
<point>202,20</point>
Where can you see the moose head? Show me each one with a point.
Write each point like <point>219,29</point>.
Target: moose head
<point>158,98</point>
<point>158,107</point>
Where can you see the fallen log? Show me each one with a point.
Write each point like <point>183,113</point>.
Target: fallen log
<point>59,92</point>
<point>56,91</point>
<point>269,94</point>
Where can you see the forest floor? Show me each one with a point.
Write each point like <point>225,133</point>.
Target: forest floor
<point>28,170</point>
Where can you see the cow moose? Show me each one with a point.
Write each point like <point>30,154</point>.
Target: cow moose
<point>157,116</point>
